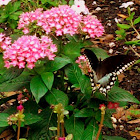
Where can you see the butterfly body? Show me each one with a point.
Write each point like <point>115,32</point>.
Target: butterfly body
<point>103,74</point>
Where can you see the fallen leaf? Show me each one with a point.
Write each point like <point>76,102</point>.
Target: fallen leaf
<point>5,133</point>
<point>122,16</point>
<point>120,77</point>
<point>134,121</point>
<point>136,134</point>
<point>137,2</point>
<point>106,38</point>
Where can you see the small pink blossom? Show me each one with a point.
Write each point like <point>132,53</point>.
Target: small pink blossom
<point>82,63</point>
<point>61,138</point>
<point>20,107</point>
<point>27,50</point>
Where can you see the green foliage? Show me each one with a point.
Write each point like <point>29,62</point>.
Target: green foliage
<point>56,96</point>
<point>38,88</point>
<point>59,81</point>
<point>31,118</point>
<point>74,126</point>
<point>124,28</point>
<point>113,137</point>
<point>3,118</point>
<point>10,14</point>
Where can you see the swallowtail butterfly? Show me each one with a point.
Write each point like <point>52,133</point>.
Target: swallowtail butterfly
<point>103,74</point>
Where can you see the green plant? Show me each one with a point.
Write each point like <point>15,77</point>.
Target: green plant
<point>51,87</point>
<point>10,14</point>
<point>126,29</point>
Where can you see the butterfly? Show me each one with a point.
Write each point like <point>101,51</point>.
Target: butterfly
<point>103,74</point>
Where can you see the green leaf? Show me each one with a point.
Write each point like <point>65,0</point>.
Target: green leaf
<point>117,94</point>
<point>113,138</point>
<point>38,88</point>
<point>137,20</point>
<point>57,64</point>
<point>16,6</point>
<point>56,96</point>
<point>10,74</point>
<point>31,118</point>
<point>74,126</point>
<point>85,112</point>
<point>76,77</point>
<point>15,17</point>
<point>131,16</point>
<point>72,49</point>
<point>40,130</point>
<point>3,119</point>
<point>16,83</point>
<point>53,128</point>
<point>48,79</point>
<point>3,16</point>
<point>123,26</point>
<point>1,30</point>
<point>18,13</point>
<point>90,132</point>
<point>121,32</point>
<point>71,2</point>
<point>73,73</point>
<point>100,53</point>
<point>135,42</point>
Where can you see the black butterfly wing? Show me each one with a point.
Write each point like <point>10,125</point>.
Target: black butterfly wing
<point>93,63</point>
<point>109,68</point>
<point>117,64</point>
<point>91,58</point>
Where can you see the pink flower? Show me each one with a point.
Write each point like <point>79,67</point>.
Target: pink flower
<point>27,50</point>
<point>81,60</point>
<point>4,2</point>
<point>92,26</point>
<point>61,138</point>
<point>20,107</point>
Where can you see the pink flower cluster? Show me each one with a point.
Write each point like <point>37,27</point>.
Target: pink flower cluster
<point>27,50</point>
<point>61,20</point>
<point>27,18</point>
<point>82,63</point>
<point>81,60</point>
<point>4,41</point>
<point>92,26</point>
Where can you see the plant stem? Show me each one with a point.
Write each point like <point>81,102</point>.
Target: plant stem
<point>133,49</point>
<point>18,133</point>
<point>132,25</point>
<point>63,131</point>
<point>100,126</point>
<point>58,125</point>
